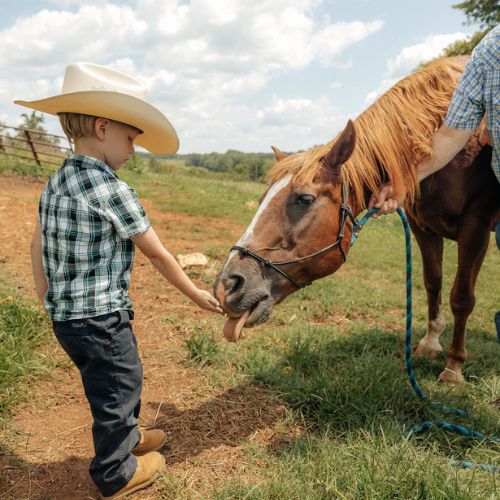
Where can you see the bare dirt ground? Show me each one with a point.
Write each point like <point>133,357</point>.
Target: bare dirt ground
<point>48,443</point>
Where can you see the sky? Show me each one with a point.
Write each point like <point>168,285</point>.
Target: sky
<point>229,74</point>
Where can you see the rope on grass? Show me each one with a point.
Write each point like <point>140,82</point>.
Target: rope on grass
<point>414,429</point>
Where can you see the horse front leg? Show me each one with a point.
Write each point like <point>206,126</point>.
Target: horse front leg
<point>472,245</point>
<point>431,248</point>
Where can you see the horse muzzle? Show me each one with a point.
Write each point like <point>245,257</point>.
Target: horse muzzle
<point>244,295</point>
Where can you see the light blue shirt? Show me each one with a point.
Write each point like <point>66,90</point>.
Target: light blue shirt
<point>478,93</point>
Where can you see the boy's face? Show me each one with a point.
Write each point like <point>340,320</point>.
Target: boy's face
<point>118,143</point>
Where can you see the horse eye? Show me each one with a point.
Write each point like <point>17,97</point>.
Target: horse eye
<point>305,199</point>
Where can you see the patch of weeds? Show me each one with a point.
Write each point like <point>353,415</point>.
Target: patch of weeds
<point>23,328</point>
<point>202,348</point>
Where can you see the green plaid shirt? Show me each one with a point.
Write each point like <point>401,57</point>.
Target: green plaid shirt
<point>478,93</point>
<point>87,217</point>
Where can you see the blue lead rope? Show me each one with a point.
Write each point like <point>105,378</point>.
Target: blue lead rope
<point>414,429</point>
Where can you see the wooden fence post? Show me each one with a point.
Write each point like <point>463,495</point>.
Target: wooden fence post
<point>32,146</point>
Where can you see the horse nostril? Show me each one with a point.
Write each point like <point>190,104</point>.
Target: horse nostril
<point>234,282</point>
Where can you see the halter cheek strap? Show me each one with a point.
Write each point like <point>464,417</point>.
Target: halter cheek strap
<point>345,213</point>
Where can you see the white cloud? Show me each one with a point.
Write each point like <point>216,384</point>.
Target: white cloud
<point>43,44</point>
<point>198,58</point>
<point>410,57</point>
<point>332,39</point>
<point>300,123</point>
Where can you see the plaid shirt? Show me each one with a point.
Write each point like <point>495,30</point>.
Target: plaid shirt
<point>478,92</point>
<point>87,217</point>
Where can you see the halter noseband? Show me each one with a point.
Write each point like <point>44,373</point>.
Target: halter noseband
<point>345,213</point>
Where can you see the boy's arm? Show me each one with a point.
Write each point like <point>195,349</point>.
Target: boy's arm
<point>162,259</point>
<point>41,285</point>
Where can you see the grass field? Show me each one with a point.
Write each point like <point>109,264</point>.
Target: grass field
<point>333,355</point>
<point>23,330</point>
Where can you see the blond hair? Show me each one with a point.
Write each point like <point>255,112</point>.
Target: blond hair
<point>76,125</point>
<point>392,136</point>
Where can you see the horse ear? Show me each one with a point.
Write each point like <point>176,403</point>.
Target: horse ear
<point>342,148</point>
<point>279,155</point>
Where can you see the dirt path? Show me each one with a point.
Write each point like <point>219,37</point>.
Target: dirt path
<point>48,443</point>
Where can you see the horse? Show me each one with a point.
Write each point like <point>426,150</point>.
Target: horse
<point>302,229</point>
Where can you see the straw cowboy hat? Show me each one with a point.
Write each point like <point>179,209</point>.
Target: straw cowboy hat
<point>95,90</point>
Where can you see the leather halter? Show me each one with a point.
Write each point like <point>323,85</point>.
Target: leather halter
<point>345,213</point>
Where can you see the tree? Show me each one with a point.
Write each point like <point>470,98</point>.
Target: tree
<point>464,47</point>
<point>34,122</point>
<point>484,12</point>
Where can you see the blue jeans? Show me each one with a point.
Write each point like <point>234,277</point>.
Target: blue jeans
<point>104,349</point>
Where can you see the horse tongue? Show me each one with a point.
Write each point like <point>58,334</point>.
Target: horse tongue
<point>233,327</point>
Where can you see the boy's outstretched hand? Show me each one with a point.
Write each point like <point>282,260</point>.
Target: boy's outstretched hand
<point>207,301</point>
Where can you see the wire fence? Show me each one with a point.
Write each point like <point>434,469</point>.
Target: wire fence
<point>35,145</point>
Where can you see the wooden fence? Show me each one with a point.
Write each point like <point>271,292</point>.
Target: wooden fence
<point>34,145</point>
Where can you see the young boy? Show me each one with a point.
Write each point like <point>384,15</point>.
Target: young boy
<point>82,255</point>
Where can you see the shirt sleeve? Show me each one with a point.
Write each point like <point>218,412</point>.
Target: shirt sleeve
<point>467,105</point>
<point>126,213</point>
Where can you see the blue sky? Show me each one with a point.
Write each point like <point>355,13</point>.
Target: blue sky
<point>229,74</point>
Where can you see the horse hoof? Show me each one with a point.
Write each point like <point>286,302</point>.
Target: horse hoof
<point>451,376</point>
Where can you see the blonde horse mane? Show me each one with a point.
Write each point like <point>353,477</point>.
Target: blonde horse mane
<point>392,136</point>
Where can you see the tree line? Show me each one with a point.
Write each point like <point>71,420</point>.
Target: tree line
<point>248,166</point>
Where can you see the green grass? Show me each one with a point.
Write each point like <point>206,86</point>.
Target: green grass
<point>359,466</point>
<point>173,187</point>
<point>196,191</point>
<point>12,165</point>
<point>202,348</point>
<point>23,329</point>
<point>333,353</point>
<point>344,381</point>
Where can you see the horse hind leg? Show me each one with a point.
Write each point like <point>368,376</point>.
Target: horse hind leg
<point>472,246</point>
<point>431,248</point>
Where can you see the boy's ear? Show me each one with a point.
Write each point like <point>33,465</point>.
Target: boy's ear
<point>100,127</point>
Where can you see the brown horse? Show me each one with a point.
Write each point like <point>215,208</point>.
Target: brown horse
<point>302,229</point>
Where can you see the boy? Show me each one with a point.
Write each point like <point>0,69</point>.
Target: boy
<point>82,255</point>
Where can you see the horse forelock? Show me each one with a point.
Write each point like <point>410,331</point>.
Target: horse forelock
<point>393,135</point>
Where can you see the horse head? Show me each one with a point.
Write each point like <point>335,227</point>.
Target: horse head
<point>300,233</point>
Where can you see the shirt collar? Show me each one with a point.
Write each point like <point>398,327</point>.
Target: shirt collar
<point>84,161</point>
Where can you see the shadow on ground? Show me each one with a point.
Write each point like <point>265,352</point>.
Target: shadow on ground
<point>228,419</point>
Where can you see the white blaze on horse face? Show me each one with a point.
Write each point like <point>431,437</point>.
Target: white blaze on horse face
<point>246,239</point>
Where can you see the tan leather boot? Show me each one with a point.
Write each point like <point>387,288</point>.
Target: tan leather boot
<point>148,470</point>
<point>151,440</point>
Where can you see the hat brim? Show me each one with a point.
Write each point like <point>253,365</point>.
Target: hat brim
<point>158,137</point>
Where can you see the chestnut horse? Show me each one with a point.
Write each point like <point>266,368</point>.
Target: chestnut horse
<point>302,229</point>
